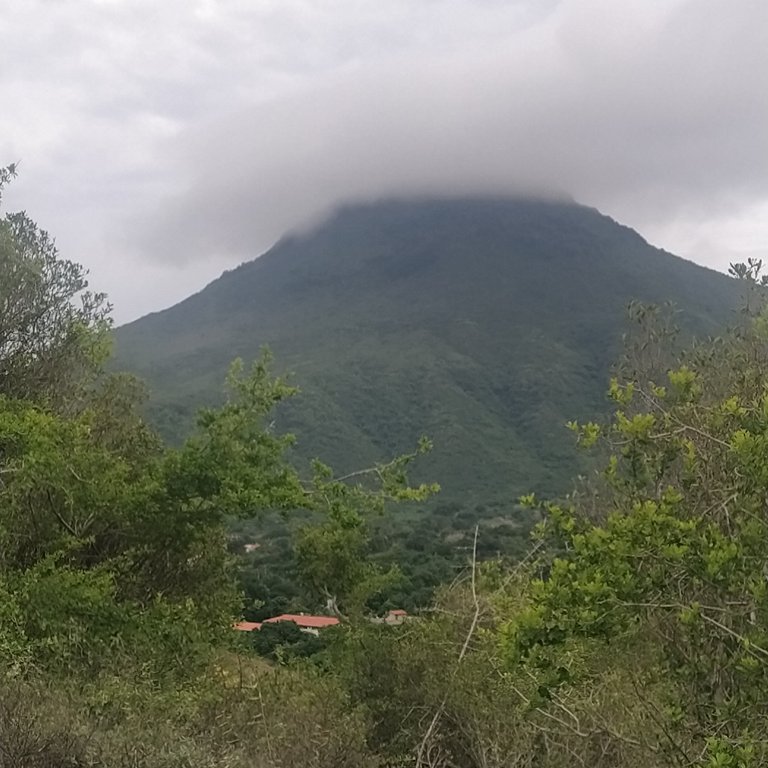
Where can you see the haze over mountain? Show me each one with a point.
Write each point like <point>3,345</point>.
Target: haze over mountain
<point>484,323</point>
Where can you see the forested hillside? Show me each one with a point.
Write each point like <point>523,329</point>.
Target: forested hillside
<point>485,324</point>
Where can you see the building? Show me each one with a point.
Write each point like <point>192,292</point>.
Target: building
<point>392,618</point>
<point>309,624</point>
<point>247,626</point>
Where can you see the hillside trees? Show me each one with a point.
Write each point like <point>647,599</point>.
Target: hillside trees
<point>635,635</point>
<point>52,329</point>
<point>667,558</point>
<point>394,335</point>
<point>117,591</point>
<point>110,541</point>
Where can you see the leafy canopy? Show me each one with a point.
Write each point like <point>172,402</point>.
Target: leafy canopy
<point>667,554</point>
<point>113,548</point>
<point>52,329</point>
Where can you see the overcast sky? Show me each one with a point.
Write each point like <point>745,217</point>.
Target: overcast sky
<point>162,141</point>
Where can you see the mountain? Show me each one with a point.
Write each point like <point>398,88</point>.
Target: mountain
<point>485,324</point>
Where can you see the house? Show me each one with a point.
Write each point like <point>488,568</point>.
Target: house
<point>396,616</point>
<point>247,626</point>
<point>310,624</point>
<point>392,618</point>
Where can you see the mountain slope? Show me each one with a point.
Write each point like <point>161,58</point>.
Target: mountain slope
<point>483,323</point>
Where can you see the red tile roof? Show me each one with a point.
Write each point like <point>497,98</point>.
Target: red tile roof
<point>398,612</point>
<point>247,626</point>
<point>313,622</point>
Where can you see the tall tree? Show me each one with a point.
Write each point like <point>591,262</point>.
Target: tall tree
<point>52,329</point>
<point>667,558</point>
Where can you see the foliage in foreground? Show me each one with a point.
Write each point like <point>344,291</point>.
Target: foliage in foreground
<point>113,557</point>
<point>667,557</point>
<point>637,632</point>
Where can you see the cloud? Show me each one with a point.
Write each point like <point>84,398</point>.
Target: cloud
<point>647,110</point>
<point>162,142</point>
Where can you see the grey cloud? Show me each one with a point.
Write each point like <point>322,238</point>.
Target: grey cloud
<point>646,113</point>
<point>163,141</point>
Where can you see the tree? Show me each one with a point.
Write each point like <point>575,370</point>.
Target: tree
<point>52,329</point>
<point>333,557</point>
<point>283,641</point>
<point>117,589</point>
<point>666,558</point>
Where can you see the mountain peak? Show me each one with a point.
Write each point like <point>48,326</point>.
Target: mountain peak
<point>483,322</point>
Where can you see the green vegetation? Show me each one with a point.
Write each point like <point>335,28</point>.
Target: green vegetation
<point>636,632</point>
<point>283,641</point>
<point>117,592</point>
<point>428,546</point>
<point>633,632</point>
<point>485,324</point>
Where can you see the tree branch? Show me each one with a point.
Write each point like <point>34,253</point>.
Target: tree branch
<point>424,746</point>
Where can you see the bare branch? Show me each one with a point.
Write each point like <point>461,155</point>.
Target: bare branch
<point>425,742</point>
